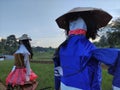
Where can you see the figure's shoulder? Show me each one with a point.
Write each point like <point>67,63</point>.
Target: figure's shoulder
<point>22,49</point>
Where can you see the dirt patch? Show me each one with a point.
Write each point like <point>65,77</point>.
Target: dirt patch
<point>104,66</point>
<point>2,87</point>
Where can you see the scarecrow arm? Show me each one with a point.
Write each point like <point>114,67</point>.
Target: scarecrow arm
<point>115,71</point>
<point>107,56</point>
<point>110,57</point>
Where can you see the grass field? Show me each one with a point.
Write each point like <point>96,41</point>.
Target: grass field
<point>43,55</point>
<point>45,73</point>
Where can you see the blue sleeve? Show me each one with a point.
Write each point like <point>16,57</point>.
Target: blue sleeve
<point>56,72</point>
<point>116,75</point>
<point>107,56</point>
<point>110,57</point>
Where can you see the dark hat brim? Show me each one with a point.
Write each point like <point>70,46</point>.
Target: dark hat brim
<point>100,16</point>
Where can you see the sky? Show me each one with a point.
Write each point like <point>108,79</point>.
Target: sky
<point>37,18</point>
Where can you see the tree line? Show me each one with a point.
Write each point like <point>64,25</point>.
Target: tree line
<point>11,44</point>
<point>110,38</point>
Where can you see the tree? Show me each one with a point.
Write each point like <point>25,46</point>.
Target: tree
<point>103,41</point>
<point>114,34</point>
<point>2,46</point>
<point>110,35</point>
<point>116,24</point>
<point>114,39</point>
<point>11,44</point>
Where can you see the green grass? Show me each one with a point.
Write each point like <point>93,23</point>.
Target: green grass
<point>106,80</point>
<point>43,55</point>
<point>5,67</point>
<point>45,73</point>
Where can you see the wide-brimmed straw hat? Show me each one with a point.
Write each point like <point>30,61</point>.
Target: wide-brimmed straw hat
<point>99,16</point>
<point>24,37</point>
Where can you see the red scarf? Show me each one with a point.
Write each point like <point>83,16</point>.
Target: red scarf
<point>77,31</point>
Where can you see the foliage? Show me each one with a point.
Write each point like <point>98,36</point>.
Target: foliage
<point>111,36</point>
<point>2,45</point>
<point>10,45</point>
<point>102,42</point>
<point>114,38</point>
<point>116,24</point>
<point>39,49</point>
<point>114,35</point>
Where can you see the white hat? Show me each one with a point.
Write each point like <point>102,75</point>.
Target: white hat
<point>24,37</point>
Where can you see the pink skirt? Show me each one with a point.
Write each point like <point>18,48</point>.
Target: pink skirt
<point>18,77</point>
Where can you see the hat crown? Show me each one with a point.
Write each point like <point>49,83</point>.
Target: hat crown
<point>80,9</point>
<point>24,37</point>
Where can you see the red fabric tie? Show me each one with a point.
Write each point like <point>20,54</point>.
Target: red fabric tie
<point>77,31</point>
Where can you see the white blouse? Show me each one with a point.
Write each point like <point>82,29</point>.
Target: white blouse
<point>22,49</point>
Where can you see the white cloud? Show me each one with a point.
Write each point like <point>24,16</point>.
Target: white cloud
<point>47,42</point>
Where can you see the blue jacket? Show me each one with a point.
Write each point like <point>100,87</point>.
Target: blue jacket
<point>110,57</point>
<point>80,70</point>
<point>80,62</point>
